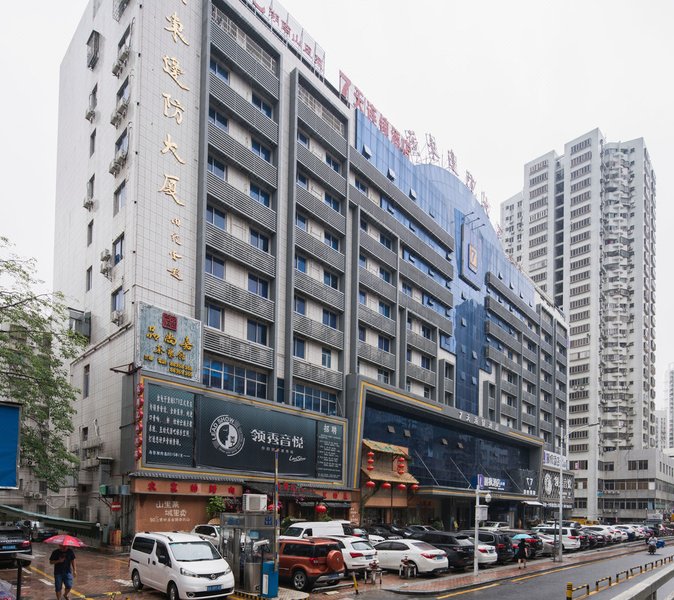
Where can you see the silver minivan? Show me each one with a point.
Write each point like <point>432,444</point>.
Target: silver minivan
<point>180,564</point>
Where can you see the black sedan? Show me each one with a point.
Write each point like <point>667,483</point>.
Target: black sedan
<point>13,540</point>
<point>459,548</point>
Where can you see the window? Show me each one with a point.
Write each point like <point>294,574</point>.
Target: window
<point>426,362</point>
<point>361,333</point>
<point>91,186</point>
<point>361,187</point>
<point>219,70</point>
<point>303,139</point>
<point>362,261</point>
<point>86,372</point>
<point>384,343</point>
<point>298,348</point>
<point>315,399</point>
<point>261,150</point>
<point>216,217</point>
<point>214,316</point>
<point>385,241</point>
<point>218,119</point>
<point>302,181</point>
<point>385,309</point>
<point>300,305</point>
<point>123,92</point>
<point>427,392</point>
<point>383,375</point>
<point>363,225</point>
<point>333,163</point>
<point>257,332</point>
<point>331,280</point>
<point>259,241</point>
<point>385,274</point>
<point>215,266</point>
<point>88,279</point>
<point>301,263</point>
<point>331,240</point>
<point>326,358</point>
<point>118,249</point>
<point>92,48</point>
<point>301,222</point>
<point>90,232</point>
<point>362,297</point>
<point>332,202</point>
<point>119,200</point>
<point>122,143</point>
<point>236,379</point>
<point>93,98</point>
<point>426,332</point>
<point>218,168</point>
<point>329,318</point>
<point>261,105</point>
<point>260,195</point>
<point>92,143</point>
<point>407,288</point>
<point>117,299</point>
<point>258,285</point>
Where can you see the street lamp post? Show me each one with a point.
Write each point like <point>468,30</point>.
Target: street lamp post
<point>478,506</point>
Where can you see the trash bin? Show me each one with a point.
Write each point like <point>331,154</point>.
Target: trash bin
<point>269,580</point>
<point>251,577</point>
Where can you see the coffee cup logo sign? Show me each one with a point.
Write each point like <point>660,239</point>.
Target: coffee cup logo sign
<point>227,435</point>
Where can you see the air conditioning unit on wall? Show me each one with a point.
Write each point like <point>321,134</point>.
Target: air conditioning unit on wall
<point>254,502</point>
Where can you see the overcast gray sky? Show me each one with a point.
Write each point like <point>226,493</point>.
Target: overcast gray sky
<point>498,82</point>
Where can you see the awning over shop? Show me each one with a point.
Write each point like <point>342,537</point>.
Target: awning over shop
<point>392,476</point>
<point>532,502</point>
<point>185,476</point>
<point>386,448</point>
<point>332,504</point>
<point>59,522</point>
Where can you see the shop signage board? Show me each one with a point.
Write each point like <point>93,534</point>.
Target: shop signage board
<point>184,428</point>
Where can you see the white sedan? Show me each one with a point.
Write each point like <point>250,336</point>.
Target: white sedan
<point>426,558</point>
<point>486,554</point>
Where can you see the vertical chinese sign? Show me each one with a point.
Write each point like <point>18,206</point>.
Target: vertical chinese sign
<point>168,168</point>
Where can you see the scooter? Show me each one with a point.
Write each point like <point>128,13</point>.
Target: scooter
<point>651,548</point>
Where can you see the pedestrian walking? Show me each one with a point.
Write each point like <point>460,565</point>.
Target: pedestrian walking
<point>65,568</point>
<point>522,553</point>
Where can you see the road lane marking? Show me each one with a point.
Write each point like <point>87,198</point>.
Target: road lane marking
<point>50,581</point>
<point>475,589</point>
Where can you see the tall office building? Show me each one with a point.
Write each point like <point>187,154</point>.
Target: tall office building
<point>260,267</point>
<point>583,228</point>
<point>669,404</point>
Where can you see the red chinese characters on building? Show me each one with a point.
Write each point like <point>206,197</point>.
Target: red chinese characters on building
<point>151,486</point>
<point>169,321</point>
<point>194,488</point>
<point>174,487</point>
<point>212,489</point>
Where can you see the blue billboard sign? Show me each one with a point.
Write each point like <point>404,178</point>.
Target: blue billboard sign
<point>10,417</point>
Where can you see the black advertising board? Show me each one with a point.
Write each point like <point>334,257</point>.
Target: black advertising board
<point>199,431</point>
<point>169,433</point>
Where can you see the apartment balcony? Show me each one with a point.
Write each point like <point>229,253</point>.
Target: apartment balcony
<point>241,203</point>
<point>509,388</point>
<point>243,62</point>
<point>426,313</point>
<point>239,251</point>
<point>426,282</point>
<point>317,208</point>
<point>319,250</point>
<point>380,252</point>
<point>318,291</point>
<point>545,406</point>
<point>318,332</point>
<point>244,110</point>
<point>319,128</point>
<point>377,321</point>
<point>421,343</point>
<point>377,284</point>
<point>237,349</point>
<point>494,330</point>
<point>528,419</point>
<point>509,411</point>
<point>376,356</point>
<point>420,374</point>
<point>307,371</point>
<point>321,171</point>
<point>238,298</point>
<point>241,156</point>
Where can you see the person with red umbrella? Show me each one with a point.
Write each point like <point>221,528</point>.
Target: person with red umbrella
<point>63,559</point>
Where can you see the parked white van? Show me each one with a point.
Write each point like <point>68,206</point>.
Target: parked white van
<point>180,564</point>
<point>318,529</point>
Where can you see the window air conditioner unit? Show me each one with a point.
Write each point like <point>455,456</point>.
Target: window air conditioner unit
<point>123,54</point>
<point>117,317</point>
<point>114,167</point>
<point>121,158</point>
<point>105,255</point>
<point>37,496</point>
<point>90,114</point>
<point>88,203</point>
<point>117,67</point>
<point>254,502</point>
<point>115,118</point>
<point>106,269</point>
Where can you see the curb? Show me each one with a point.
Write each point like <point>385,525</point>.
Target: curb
<point>553,565</point>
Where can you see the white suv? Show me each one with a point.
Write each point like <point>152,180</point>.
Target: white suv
<point>358,553</point>
<point>570,536</point>
<point>180,564</point>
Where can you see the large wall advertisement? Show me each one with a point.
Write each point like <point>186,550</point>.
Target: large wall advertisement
<point>10,417</point>
<point>200,431</point>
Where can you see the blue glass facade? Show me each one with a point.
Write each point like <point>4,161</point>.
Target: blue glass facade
<point>452,205</point>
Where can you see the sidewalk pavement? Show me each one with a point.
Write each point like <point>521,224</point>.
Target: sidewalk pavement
<point>467,580</point>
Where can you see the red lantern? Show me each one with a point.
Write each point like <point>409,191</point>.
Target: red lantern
<point>402,486</point>
<point>140,401</point>
<point>270,507</point>
<point>386,485</point>
<point>370,484</point>
<point>370,461</point>
<point>370,454</point>
<point>139,441</point>
<point>370,467</point>
<point>414,487</point>
<point>139,427</point>
<point>140,388</point>
<point>139,453</point>
<point>321,508</point>
<point>401,459</point>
